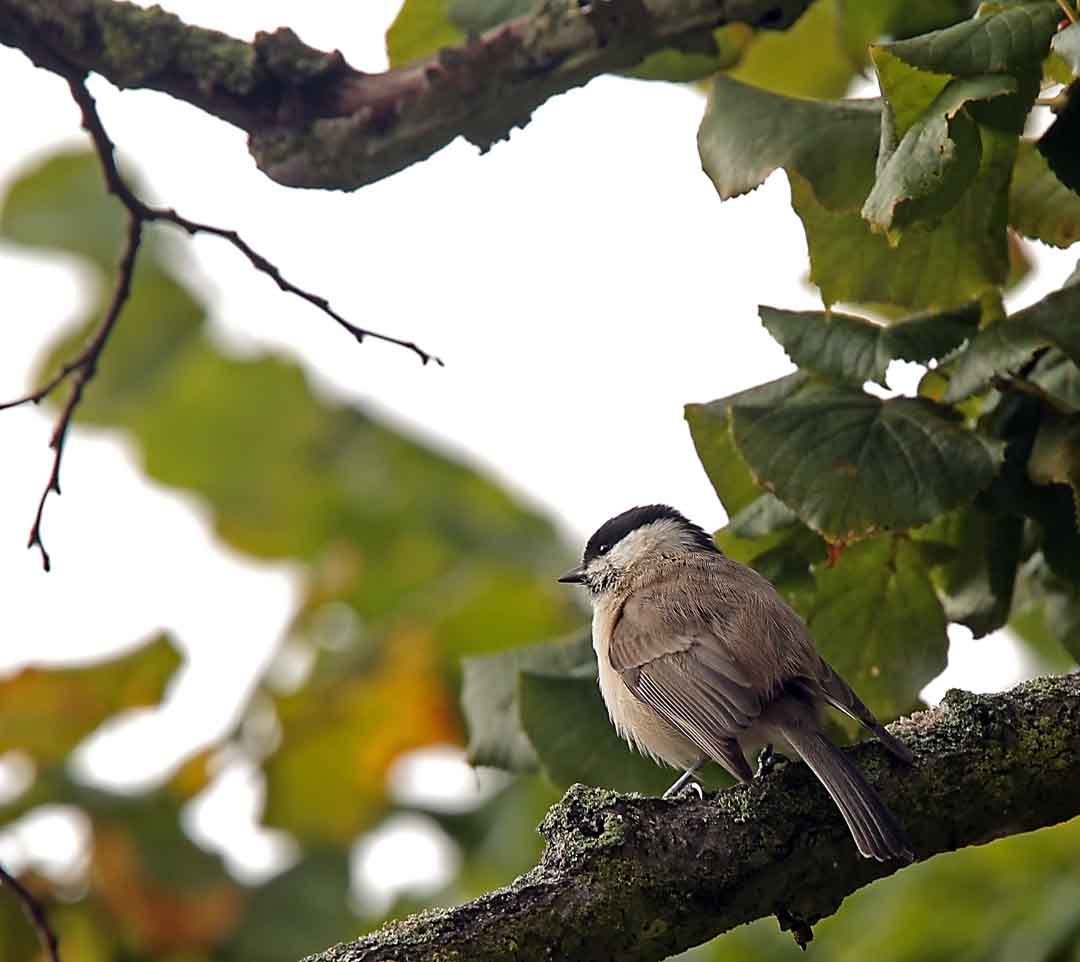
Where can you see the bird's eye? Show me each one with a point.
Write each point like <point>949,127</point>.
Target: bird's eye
<point>604,549</point>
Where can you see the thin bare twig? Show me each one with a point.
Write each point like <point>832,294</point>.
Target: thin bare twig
<point>82,368</point>
<point>117,186</point>
<point>35,912</point>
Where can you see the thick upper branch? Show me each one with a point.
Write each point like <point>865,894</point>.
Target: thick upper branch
<point>625,877</point>
<point>314,121</point>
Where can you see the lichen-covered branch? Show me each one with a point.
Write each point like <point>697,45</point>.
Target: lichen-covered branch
<point>314,121</point>
<point>632,878</point>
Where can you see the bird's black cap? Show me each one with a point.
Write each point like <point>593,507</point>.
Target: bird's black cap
<point>610,533</point>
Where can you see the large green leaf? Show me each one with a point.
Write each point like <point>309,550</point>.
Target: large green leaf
<point>828,151</point>
<point>1007,343</point>
<point>748,133</point>
<point>857,350</point>
<point>46,712</point>
<point>1040,205</point>
<point>489,698</point>
<point>568,725</point>
<point>1003,41</point>
<point>849,464</point>
<point>937,158</point>
<point>963,257</point>
<point>877,620</point>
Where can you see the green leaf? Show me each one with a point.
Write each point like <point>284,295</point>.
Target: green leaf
<point>725,48</point>
<point>489,698</point>
<point>857,350</point>
<point>748,133</point>
<point>828,151</point>
<point>1066,44</point>
<point>806,60</point>
<point>420,28</point>
<point>46,712</point>
<point>937,159</point>
<point>64,189</point>
<point>1007,343</point>
<point>762,517</point>
<point>906,93</point>
<point>878,622</point>
<point>1045,614</point>
<point>1059,377</point>
<point>976,582</point>
<point>1049,603</point>
<point>1003,41</point>
<point>863,22</point>
<point>1040,205</point>
<point>710,429</point>
<point>964,256</point>
<point>568,725</point>
<point>849,464</point>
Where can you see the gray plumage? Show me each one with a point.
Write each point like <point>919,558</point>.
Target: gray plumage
<point>700,658</point>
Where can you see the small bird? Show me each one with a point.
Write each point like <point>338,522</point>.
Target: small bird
<point>700,658</point>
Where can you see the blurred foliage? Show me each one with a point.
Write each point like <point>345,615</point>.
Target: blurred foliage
<point>410,561</point>
<point>881,521</point>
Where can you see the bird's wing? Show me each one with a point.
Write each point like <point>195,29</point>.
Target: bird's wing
<point>686,676</point>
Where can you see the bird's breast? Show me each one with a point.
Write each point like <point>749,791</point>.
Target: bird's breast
<point>634,720</point>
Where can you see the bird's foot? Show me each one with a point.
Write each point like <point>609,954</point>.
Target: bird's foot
<point>685,784</point>
<point>767,761</point>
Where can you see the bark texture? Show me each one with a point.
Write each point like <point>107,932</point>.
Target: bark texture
<point>632,878</point>
<point>314,121</point>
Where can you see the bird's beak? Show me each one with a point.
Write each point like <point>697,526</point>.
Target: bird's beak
<point>575,576</point>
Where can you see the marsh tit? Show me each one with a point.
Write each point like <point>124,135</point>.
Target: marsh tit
<point>700,658</point>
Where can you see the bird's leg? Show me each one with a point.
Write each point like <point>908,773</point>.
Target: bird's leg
<point>686,778</point>
<point>767,760</point>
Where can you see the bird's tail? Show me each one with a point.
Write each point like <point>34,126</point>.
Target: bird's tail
<point>874,828</point>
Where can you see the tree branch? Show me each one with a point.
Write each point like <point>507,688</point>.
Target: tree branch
<point>632,878</point>
<point>314,121</point>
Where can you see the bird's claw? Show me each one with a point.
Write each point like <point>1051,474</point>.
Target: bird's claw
<point>767,761</point>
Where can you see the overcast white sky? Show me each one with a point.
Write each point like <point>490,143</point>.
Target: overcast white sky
<point>582,282</point>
